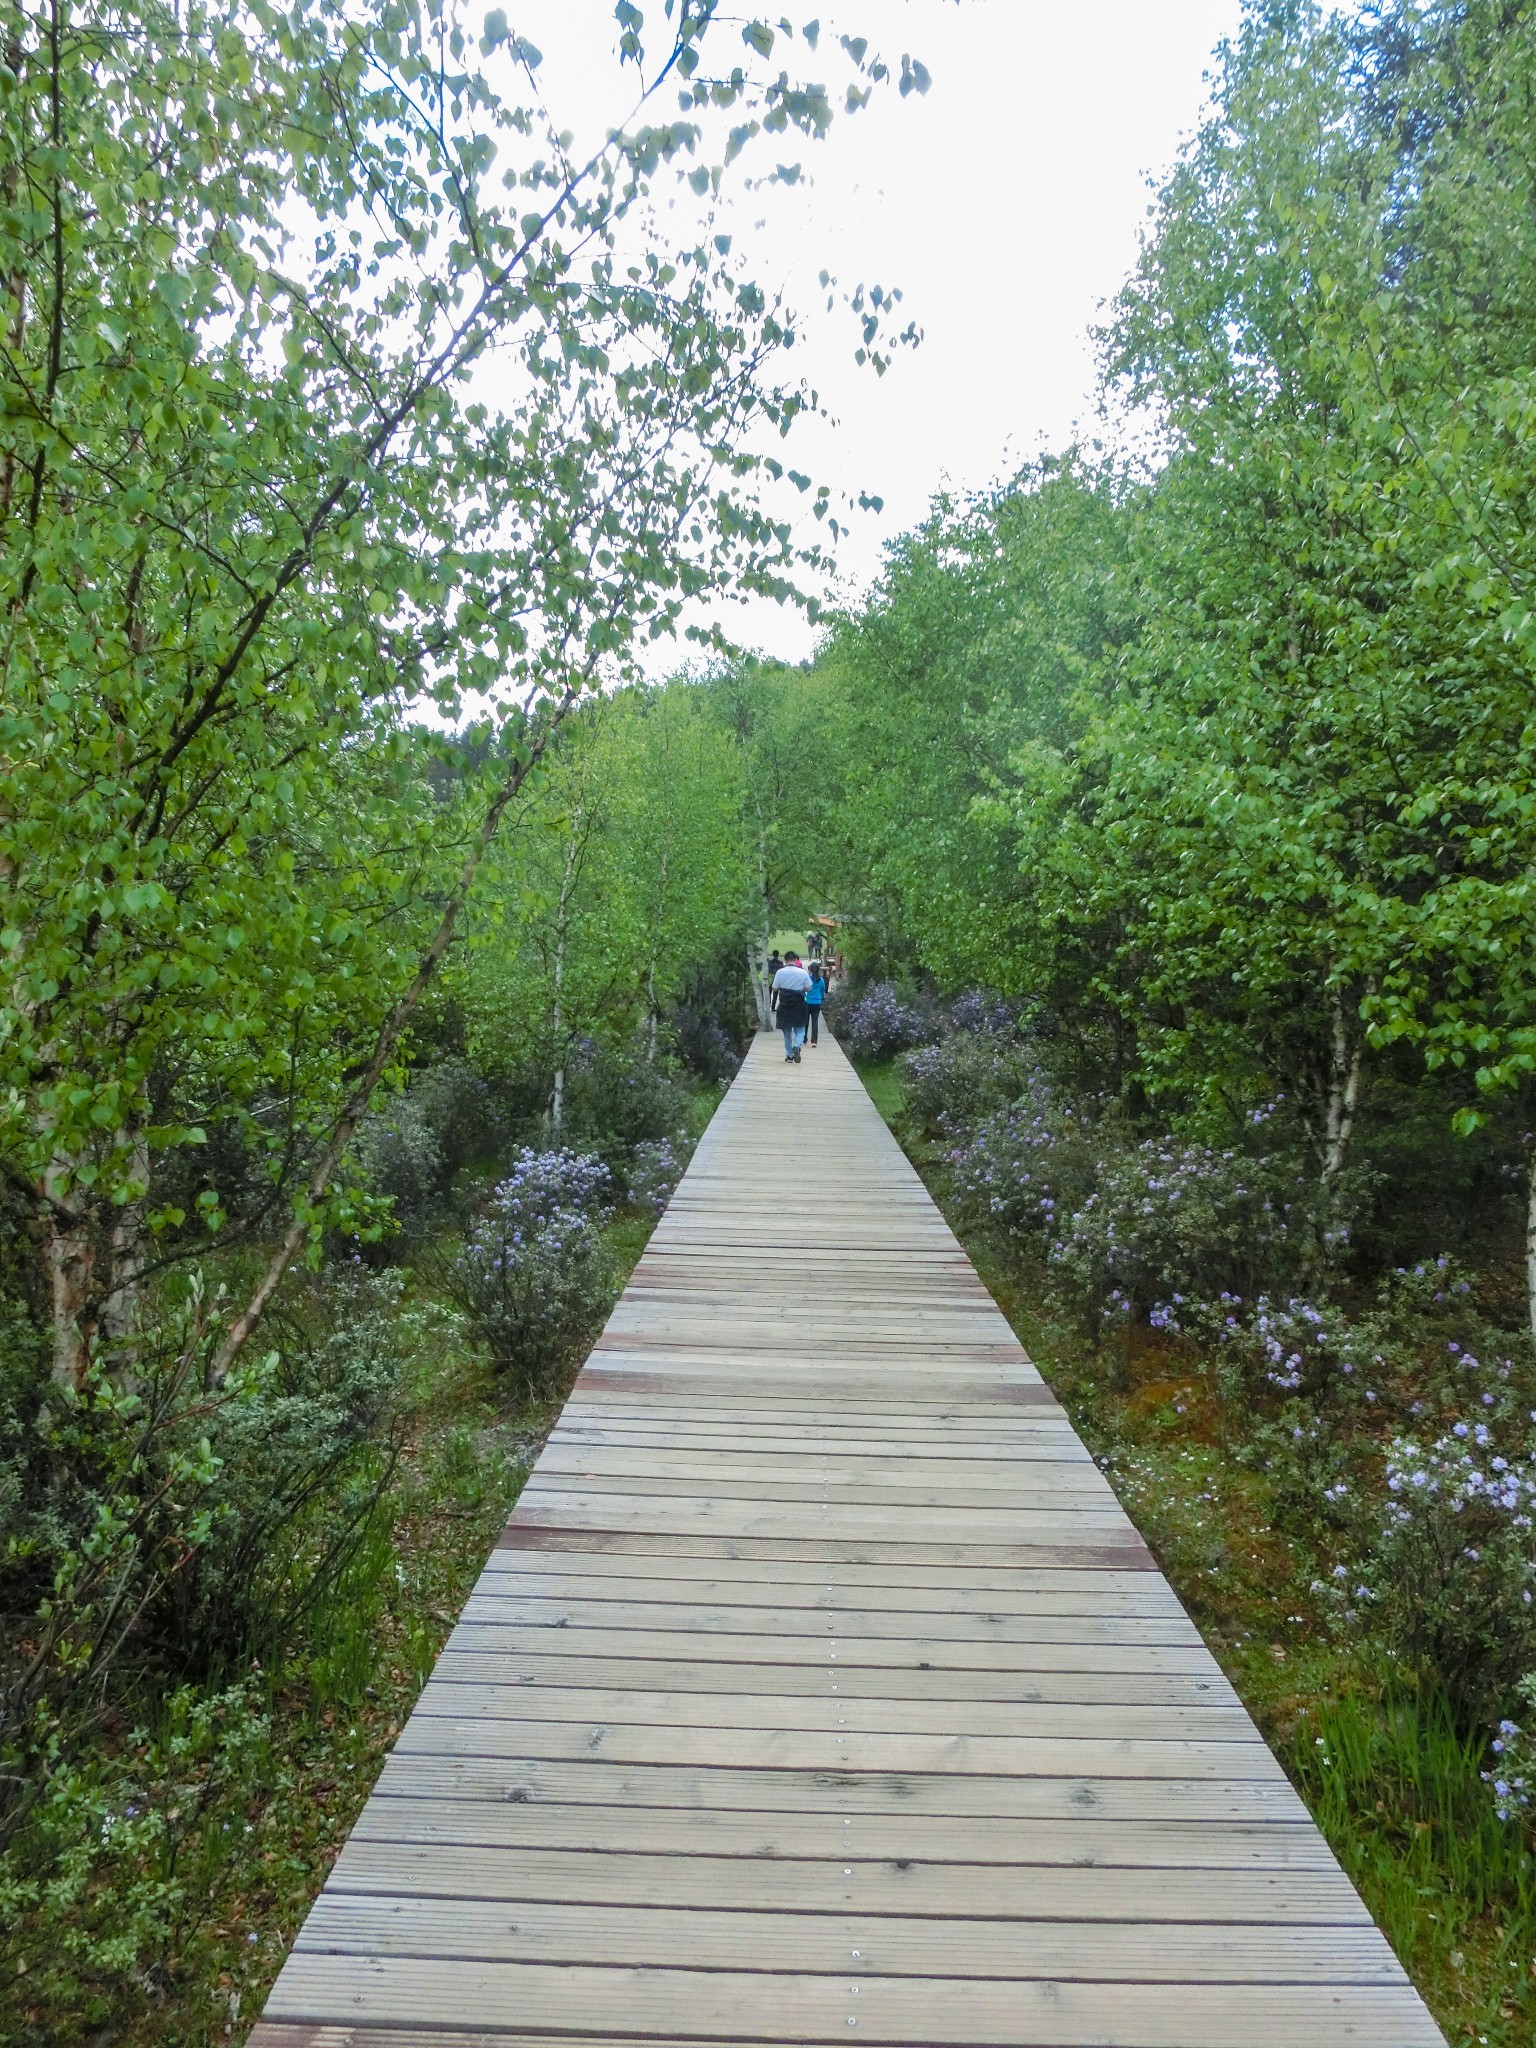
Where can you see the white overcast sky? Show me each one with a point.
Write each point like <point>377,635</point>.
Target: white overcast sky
<point>1006,204</point>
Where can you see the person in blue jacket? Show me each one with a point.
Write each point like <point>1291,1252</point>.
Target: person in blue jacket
<point>815,996</point>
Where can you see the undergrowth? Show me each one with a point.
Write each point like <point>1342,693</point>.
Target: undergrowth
<point>179,1861</point>
<point>177,1823</point>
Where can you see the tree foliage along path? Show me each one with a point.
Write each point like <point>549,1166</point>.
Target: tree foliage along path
<point>1229,753</point>
<point>332,380</point>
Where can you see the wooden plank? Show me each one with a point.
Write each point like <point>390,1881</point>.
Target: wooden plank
<point>1077,1510</point>
<point>551,1507</point>
<point>450,1696</point>
<point>979,1476</point>
<point>548,1823</point>
<point>864,1945</point>
<point>574,1609</point>
<point>693,1582</point>
<point>970,1424</point>
<point>828,1694</point>
<point>958,1652</point>
<point>940,2012</point>
<point>446,1869</point>
<point>1065,1501</point>
<point>524,1532</point>
<point>935,1589</point>
<point>1062,1688</point>
<point>844,1792</point>
<point>1038,1445</point>
<point>998,1756</point>
<point>1335,2013</point>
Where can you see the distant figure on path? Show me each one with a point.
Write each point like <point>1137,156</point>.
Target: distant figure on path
<point>789,987</point>
<point>774,964</point>
<point>815,996</point>
<point>813,944</point>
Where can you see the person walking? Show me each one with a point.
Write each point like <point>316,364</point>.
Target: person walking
<point>789,987</point>
<point>775,962</point>
<point>815,996</point>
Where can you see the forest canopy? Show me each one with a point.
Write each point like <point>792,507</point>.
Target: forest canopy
<point>366,902</point>
<point>1226,756</point>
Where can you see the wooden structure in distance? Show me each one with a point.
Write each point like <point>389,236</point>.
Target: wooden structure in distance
<point>820,1690</point>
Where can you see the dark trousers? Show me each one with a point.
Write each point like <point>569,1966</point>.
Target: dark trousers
<point>813,1020</point>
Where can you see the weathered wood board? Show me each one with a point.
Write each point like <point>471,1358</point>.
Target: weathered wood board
<point>820,1690</point>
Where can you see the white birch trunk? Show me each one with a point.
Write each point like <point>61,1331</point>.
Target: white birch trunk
<point>70,1257</point>
<point>557,1014</point>
<point>1346,1071</point>
<point>651,1018</point>
<point>239,1333</point>
<point>759,944</point>
<point>120,1305</point>
<point>649,1029</point>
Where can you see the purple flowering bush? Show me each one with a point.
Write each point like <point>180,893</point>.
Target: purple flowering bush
<point>1275,1346</point>
<point>1133,1231</point>
<point>1024,1167</point>
<point>880,1024</point>
<point>983,1014</point>
<point>1450,1577</point>
<point>1391,1431</point>
<point>533,1273</point>
<point>1166,1218</point>
<point>655,1170</point>
<point>949,1087</point>
<point>1512,1774</point>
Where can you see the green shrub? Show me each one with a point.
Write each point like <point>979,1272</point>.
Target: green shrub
<point>113,1861</point>
<point>305,1443</point>
<point>171,1524</point>
<point>447,1119</point>
<point>533,1273</point>
<point>950,1086</point>
<point>616,1102</point>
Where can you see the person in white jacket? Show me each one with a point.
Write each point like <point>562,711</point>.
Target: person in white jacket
<point>788,999</point>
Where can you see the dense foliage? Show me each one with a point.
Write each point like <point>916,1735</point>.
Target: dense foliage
<point>365,980</point>
<point>1221,762</point>
<point>1208,748</point>
<point>1177,801</point>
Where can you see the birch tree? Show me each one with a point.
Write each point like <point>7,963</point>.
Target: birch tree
<point>331,378</point>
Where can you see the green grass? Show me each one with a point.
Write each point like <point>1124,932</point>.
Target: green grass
<point>1399,1794</point>
<point>883,1081</point>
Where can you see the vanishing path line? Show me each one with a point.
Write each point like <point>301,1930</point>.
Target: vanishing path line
<point>821,1690</point>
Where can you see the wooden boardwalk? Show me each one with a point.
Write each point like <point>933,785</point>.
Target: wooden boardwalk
<point>820,1690</point>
